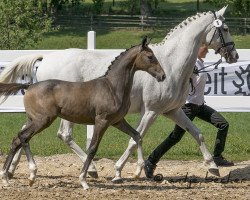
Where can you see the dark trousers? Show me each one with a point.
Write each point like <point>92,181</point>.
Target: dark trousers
<point>203,112</point>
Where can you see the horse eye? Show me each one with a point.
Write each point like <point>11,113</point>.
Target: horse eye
<point>150,57</point>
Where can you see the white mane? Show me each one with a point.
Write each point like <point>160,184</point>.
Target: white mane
<point>184,24</point>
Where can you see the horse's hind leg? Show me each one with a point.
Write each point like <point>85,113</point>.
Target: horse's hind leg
<point>32,163</point>
<point>179,117</point>
<point>23,138</point>
<point>65,134</point>
<point>147,119</point>
<point>126,128</point>
<point>15,161</point>
<point>16,145</point>
<point>101,126</point>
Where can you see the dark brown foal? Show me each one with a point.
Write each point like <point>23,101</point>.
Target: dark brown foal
<point>103,102</point>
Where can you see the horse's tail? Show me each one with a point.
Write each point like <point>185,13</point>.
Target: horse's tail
<point>23,65</point>
<point>7,89</point>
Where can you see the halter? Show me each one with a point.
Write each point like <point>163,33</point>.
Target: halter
<point>218,23</point>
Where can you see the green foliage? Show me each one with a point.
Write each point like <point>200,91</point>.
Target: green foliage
<point>239,8</point>
<point>98,6</point>
<point>77,38</point>
<point>114,142</point>
<point>22,24</point>
<point>129,7</point>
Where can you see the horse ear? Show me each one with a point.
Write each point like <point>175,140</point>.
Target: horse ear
<point>221,11</point>
<point>144,42</point>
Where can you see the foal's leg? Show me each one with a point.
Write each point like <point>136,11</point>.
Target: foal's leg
<point>16,145</point>
<point>179,117</point>
<point>101,126</point>
<point>126,128</point>
<point>22,141</point>
<point>147,119</point>
<point>15,161</point>
<point>32,163</point>
<point>65,134</point>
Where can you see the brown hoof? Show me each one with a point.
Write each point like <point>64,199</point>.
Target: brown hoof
<point>31,182</point>
<point>10,175</point>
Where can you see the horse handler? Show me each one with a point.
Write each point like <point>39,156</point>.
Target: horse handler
<point>195,107</point>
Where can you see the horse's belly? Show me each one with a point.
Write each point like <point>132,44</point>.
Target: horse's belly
<point>78,119</point>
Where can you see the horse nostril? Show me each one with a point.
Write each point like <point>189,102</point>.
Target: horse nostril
<point>237,56</point>
<point>163,77</point>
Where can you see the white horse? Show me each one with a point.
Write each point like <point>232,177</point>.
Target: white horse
<point>176,53</point>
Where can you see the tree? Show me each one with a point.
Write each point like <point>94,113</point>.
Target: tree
<point>145,7</point>
<point>22,24</point>
<point>98,6</point>
<point>239,8</point>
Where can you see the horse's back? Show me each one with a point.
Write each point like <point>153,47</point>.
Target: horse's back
<point>75,65</point>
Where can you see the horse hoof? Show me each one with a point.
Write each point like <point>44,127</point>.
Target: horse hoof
<point>85,185</point>
<point>31,182</point>
<point>93,174</point>
<point>10,175</point>
<point>86,188</point>
<point>158,177</point>
<point>136,176</point>
<point>117,180</point>
<point>214,171</point>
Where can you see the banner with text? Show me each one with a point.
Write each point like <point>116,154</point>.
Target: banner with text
<point>228,79</point>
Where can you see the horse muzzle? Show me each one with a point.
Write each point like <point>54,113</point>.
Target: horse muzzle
<point>232,57</point>
<point>161,78</point>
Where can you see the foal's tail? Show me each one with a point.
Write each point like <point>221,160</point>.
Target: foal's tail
<point>7,89</point>
<point>23,65</point>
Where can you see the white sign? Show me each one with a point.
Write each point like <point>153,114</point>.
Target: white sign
<point>229,80</point>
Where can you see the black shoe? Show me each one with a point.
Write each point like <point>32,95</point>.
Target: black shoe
<point>149,169</point>
<point>221,161</point>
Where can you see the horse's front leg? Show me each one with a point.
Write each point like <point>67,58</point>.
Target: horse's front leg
<point>126,128</point>
<point>65,134</point>
<point>147,119</point>
<point>101,126</point>
<point>179,117</point>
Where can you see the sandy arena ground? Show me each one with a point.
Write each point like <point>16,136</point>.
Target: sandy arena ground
<point>58,179</point>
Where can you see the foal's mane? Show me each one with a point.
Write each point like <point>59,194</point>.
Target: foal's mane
<point>117,58</point>
<point>183,24</point>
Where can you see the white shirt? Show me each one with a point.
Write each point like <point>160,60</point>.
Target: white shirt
<point>199,81</point>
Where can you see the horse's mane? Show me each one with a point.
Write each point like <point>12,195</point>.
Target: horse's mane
<point>117,58</point>
<point>183,24</point>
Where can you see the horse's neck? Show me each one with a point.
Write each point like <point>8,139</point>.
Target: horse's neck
<point>179,53</point>
<point>121,74</point>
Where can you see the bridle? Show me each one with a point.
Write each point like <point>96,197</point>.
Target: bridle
<point>218,24</point>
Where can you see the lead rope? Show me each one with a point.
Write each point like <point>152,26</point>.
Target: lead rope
<point>216,64</point>
<point>197,71</point>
